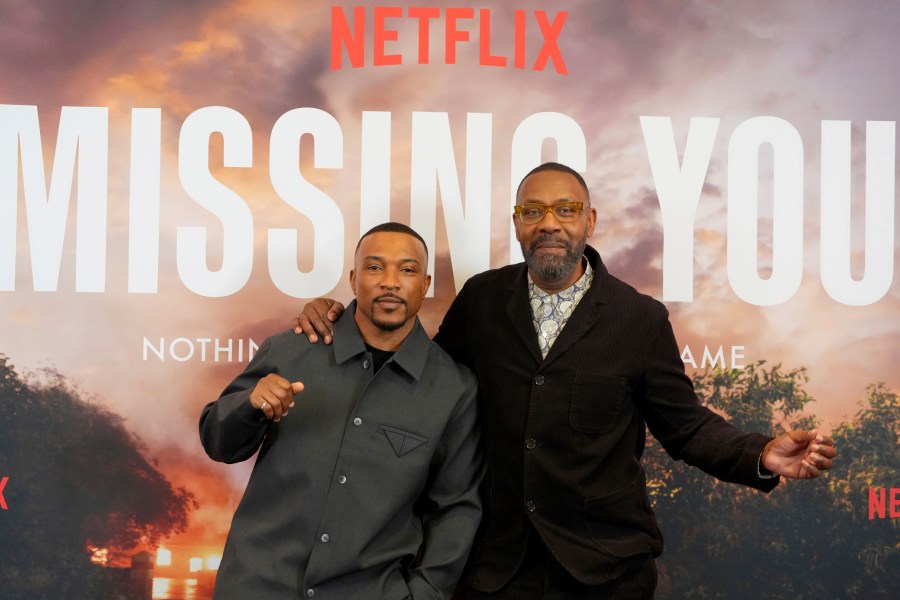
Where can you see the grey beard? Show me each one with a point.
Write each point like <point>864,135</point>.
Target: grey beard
<point>553,268</point>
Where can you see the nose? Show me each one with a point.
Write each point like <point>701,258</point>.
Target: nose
<point>390,279</point>
<point>549,222</point>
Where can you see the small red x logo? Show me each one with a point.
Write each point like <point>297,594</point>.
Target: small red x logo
<point>2,499</point>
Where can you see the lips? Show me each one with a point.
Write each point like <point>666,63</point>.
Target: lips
<point>549,244</point>
<point>389,300</point>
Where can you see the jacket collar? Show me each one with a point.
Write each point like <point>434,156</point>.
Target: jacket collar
<point>411,356</point>
<point>586,314</point>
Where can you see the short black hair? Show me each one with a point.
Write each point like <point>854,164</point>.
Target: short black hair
<point>561,168</point>
<point>393,227</point>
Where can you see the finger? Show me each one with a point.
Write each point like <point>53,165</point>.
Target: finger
<point>811,470</point>
<point>334,311</point>
<point>819,461</point>
<point>279,409</point>
<point>323,327</point>
<point>305,326</point>
<point>296,388</point>
<point>802,437</point>
<point>826,451</point>
<point>824,440</point>
<point>266,408</point>
<point>278,386</point>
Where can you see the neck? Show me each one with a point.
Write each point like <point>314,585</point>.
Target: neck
<point>380,338</point>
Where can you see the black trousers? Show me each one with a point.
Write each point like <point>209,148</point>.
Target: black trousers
<point>541,577</point>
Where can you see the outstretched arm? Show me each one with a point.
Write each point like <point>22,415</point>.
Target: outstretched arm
<point>317,318</point>
<point>799,454</point>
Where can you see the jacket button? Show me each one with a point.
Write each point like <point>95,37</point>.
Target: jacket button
<point>365,364</point>
<point>530,443</point>
<point>539,380</point>
<point>342,479</point>
<point>310,593</point>
<point>530,506</point>
<point>325,538</point>
<point>357,421</point>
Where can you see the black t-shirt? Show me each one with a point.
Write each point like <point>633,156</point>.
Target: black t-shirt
<point>379,357</point>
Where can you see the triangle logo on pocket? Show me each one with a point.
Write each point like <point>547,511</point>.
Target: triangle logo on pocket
<point>402,444</point>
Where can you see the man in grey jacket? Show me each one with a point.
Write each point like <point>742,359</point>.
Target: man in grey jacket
<point>366,483</point>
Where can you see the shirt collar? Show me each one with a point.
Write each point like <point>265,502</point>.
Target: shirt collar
<point>411,356</point>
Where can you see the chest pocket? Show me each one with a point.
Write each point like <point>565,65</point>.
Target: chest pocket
<point>597,402</point>
<point>402,442</point>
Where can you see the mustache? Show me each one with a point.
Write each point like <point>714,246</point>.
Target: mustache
<point>389,295</point>
<point>547,237</point>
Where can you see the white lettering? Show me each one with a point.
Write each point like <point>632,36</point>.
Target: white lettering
<point>836,248</point>
<point>678,188</point>
<point>83,132</point>
<point>183,349</point>
<point>143,204</point>
<point>433,167</point>
<point>743,211</point>
<point>226,350</point>
<point>182,357</point>
<point>715,357</point>
<point>157,350</point>
<point>293,188</point>
<point>211,194</point>
<point>375,171</point>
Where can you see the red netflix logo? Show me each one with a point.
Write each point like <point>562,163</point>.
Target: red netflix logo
<point>879,507</point>
<point>353,38</point>
<point>3,505</point>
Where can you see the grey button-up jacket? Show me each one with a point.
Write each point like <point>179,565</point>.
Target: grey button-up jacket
<point>367,489</point>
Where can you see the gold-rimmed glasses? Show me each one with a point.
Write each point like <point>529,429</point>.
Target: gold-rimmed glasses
<point>532,212</point>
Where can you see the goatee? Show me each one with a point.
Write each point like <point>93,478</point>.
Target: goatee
<point>550,267</point>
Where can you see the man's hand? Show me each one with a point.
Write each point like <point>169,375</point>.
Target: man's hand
<point>799,454</point>
<point>318,316</point>
<point>274,395</point>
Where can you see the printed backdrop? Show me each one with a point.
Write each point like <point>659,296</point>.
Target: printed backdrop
<point>176,178</point>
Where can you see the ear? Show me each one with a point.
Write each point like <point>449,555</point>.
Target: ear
<point>592,221</point>
<point>516,224</point>
<point>353,281</point>
<point>426,285</point>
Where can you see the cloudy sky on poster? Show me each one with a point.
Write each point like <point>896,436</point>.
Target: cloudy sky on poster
<point>803,62</point>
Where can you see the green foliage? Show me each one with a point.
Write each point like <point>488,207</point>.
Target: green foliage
<point>78,478</point>
<point>807,539</point>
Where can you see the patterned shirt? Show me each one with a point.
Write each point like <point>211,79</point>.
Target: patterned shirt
<point>551,312</point>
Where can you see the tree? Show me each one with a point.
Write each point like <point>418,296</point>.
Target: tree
<point>77,479</point>
<point>809,539</point>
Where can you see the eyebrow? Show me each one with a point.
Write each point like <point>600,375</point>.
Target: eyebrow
<point>382,259</point>
<point>557,201</point>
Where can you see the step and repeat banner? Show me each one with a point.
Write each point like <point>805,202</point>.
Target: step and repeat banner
<point>178,178</point>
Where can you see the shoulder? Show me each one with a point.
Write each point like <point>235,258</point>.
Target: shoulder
<point>495,279</point>
<point>623,298</point>
<point>624,292</point>
<point>452,372</point>
<point>289,343</point>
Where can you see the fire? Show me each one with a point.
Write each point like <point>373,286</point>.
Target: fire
<point>99,556</point>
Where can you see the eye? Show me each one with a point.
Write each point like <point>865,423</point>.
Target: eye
<point>373,267</point>
<point>532,212</point>
<point>565,210</point>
